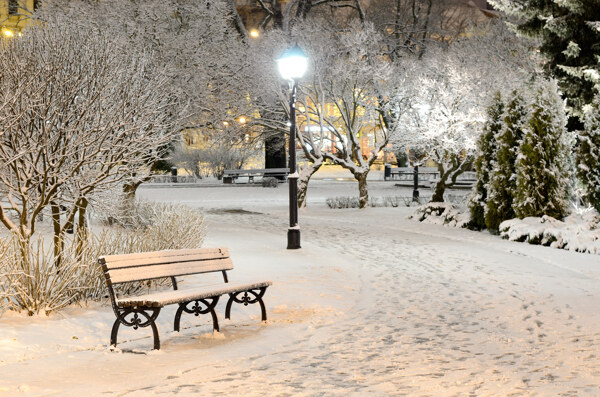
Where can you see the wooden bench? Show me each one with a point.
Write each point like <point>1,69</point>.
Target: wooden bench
<point>230,176</point>
<point>142,311</point>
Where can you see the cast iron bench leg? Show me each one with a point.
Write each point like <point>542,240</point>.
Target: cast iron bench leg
<point>136,322</point>
<point>246,300</point>
<point>196,310</point>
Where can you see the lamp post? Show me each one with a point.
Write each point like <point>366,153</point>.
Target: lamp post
<point>292,65</point>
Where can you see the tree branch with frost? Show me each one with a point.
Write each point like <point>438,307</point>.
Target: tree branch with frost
<point>91,113</point>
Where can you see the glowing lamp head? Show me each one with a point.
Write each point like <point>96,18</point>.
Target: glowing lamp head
<point>292,64</point>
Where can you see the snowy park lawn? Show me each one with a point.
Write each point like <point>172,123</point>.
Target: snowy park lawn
<point>373,304</point>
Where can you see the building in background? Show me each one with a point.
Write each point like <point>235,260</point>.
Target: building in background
<point>15,15</point>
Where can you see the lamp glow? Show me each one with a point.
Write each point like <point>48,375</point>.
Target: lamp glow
<point>292,64</point>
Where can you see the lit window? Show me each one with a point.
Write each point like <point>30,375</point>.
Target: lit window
<point>13,7</point>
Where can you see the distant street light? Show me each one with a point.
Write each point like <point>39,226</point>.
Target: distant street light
<point>292,65</point>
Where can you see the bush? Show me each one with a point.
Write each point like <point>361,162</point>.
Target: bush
<point>389,201</point>
<point>342,202</point>
<point>441,214</point>
<point>579,232</point>
<point>270,182</point>
<point>30,282</point>
<point>34,285</point>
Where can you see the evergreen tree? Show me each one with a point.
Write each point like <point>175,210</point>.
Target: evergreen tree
<point>486,150</point>
<point>588,157</point>
<point>569,31</point>
<point>503,180</point>
<point>543,163</point>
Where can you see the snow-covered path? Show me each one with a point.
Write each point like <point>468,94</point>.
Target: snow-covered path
<point>436,316</point>
<point>373,304</point>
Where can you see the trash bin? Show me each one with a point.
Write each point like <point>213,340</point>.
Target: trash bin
<point>174,174</point>
<point>387,172</point>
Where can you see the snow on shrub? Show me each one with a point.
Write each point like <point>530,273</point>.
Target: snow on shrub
<point>270,182</point>
<point>30,282</point>
<point>441,214</point>
<point>34,285</point>
<point>387,201</point>
<point>588,155</point>
<point>579,232</point>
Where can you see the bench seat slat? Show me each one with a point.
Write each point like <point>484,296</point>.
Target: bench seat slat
<point>128,274</point>
<point>111,265</point>
<point>160,299</point>
<point>164,253</point>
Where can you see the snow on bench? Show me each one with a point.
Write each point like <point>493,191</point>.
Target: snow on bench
<point>142,311</point>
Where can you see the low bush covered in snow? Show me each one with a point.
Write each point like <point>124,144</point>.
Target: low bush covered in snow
<point>270,182</point>
<point>31,282</point>
<point>387,201</point>
<point>441,214</point>
<point>578,232</point>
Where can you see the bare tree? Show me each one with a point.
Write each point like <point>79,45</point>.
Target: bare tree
<point>448,104</point>
<point>344,101</point>
<point>79,114</point>
<point>411,26</point>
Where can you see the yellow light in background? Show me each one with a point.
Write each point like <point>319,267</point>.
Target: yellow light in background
<point>254,33</point>
<point>242,120</point>
<point>8,33</point>
<point>225,123</point>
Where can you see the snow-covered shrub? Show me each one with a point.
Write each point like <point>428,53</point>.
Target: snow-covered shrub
<point>543,163</point>
<point>579,232</point>
<point>342,202</point>
<point>386,201</point>
<point>588,167</point>
<point>34,285</point>
<point>486,150</point>
<point>4,263</point>
<point>441,214</point>
<point>153,226</point>
<point>502,186</point>
<point>270,182</point>
<point>30,282</point>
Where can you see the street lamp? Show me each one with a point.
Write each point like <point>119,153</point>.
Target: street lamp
<point>292,65</point>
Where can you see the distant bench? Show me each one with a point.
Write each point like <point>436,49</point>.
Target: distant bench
<point>229,176</point>
<point>142,311</point>
<point>428,176</point>
<point>407,173</point>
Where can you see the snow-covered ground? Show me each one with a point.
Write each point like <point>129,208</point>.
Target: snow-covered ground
<point>373,304</point>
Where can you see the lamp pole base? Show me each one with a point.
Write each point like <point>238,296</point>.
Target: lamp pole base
<point>415,195</point>
<point>293,237</point>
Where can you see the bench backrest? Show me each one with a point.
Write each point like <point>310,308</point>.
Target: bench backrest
<point>168,263</point>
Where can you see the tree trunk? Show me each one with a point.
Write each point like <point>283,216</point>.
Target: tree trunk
<point>129,190</point>
<point>440,188</point>
<point>58,237</point>
<point>363,191</point>
<point>82,227</point>
<point>305,175</point>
